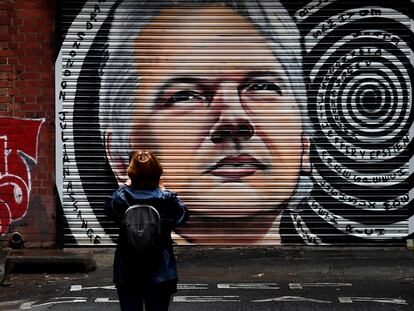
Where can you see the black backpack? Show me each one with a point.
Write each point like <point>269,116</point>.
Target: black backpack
<point>142,228</point>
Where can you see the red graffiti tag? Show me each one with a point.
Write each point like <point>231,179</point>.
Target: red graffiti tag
<point>18,155</point>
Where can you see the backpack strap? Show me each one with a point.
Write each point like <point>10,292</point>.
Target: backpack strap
<point>122,195</point>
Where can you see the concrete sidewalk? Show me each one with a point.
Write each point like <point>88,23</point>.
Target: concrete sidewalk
<point>341,261</point>
<point>334,260</point>
<point>45,261</point>
<point>355,262</point>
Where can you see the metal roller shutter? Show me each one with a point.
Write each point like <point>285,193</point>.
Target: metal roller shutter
<point>276,122</point>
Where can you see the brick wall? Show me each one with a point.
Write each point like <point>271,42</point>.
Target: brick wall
<point>27,105</point>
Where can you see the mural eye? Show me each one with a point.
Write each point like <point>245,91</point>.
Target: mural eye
<point>262,86</point>
<point>183,97</point>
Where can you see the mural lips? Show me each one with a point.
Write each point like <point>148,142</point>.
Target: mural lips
<point>235,167</point>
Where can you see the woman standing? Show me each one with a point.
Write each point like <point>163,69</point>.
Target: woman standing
<point>141,279</point>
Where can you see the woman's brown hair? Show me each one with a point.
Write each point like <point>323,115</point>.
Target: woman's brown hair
<point>144,170</point>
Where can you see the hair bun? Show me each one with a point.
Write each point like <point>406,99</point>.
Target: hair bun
<point>143,157</point>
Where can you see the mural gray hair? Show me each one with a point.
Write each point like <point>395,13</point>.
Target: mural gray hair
<point>120,77</point>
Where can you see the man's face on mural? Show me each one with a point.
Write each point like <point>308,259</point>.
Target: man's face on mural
<point>217,108</point>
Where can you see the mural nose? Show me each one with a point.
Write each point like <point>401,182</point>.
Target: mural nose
<point>226,132</point>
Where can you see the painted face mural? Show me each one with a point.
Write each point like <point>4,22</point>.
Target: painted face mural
<point>275,124</point>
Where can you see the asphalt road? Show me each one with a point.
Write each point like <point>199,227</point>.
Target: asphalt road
<point>239,280</point>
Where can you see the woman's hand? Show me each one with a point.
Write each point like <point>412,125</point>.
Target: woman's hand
<point>128,182</point>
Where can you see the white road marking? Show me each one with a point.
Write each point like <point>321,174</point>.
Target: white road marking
<point>248,286</point>
<point>76,288</point>
<point>206,299</point>
<point>301,285</point>
<point>372,299</point>
<point>202,299</point>
<point>105,299</point>
<point>192,286</point>
<point>11,302</point>
<point>35,304</point>
<point>292,299</point>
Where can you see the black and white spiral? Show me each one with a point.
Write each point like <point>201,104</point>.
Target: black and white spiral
<point>360,78</point>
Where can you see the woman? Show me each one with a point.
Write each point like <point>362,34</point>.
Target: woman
<point>137,279</point>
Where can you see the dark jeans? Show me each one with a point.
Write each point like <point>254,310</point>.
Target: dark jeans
<point>132,299</point>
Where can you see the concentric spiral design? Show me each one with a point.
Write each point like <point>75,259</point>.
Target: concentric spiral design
<point>357,61</point>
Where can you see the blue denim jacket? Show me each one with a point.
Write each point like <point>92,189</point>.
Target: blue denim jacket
<point>173,213</point>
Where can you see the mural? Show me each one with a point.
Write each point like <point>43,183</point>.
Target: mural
<point>360,79</point>
<point>276,122</point>
<point>18,155</point>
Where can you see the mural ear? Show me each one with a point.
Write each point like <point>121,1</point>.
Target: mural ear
<point>306,166</point>
<point>118,166</point>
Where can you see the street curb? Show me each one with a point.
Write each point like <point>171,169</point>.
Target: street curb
<point>48,261</point>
